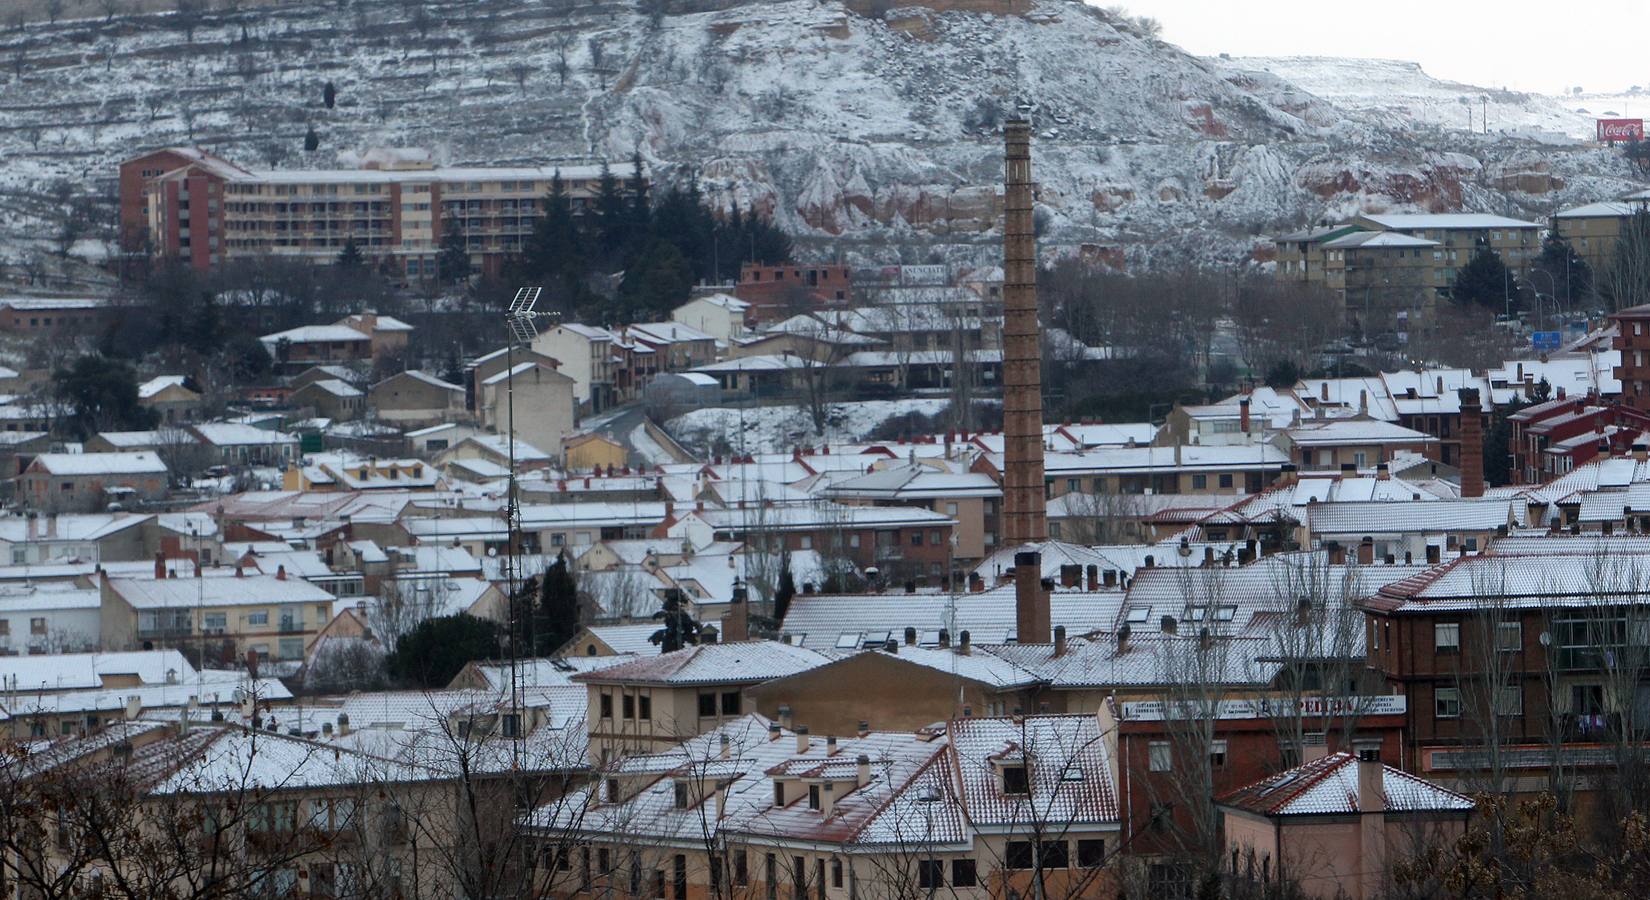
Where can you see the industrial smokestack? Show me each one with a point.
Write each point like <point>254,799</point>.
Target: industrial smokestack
<point>1025,517</point>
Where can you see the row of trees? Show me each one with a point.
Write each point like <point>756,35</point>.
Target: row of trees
<point>661,244</point>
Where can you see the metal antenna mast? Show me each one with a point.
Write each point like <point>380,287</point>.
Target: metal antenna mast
<point>519,320</point>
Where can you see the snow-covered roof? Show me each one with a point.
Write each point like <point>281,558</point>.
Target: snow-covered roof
<point>1337,432</point>
<point>666,332</point>
<point>1362,239</point>
<point>335,387</point>
<point>424,377</point>
<point>251,590</point>
<point>82,671</point>
<point>313,334</point>
<point>1330,786</point>
<point>118,463</point>
<point>160,383</point>
<point>1404,221</point>
<point>1604,209</point>
<point>233,434</point>
<point>740,662</point>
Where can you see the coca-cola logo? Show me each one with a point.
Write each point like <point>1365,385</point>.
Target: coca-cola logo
<point>1621,129</point>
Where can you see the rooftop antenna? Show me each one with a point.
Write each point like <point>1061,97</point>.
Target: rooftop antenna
<point>519,319</point>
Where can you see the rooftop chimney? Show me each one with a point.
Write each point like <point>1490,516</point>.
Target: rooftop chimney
<point>1472,444</point>
<point>1031,604</point>
<point>736,621</point>
<point>965,643</point>
<point>1059,640</point>
<point>1024,505</point>
<point>160,565</point>
<point>1243,415</point>
<point>802,739</point>
<point>726,746</point>
<point>862,773</point>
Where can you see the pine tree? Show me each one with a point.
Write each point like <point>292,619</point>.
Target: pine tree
<point>612,219</point>
<point>552,253</point>
<point>1483,280</point>
<point>676,626</point>
<point>1569,274</point>
<point>782,596</point>
<point>558,612</point>
<point>641,210</point>
<point>312,141</point>
<point>454,260</point>
<point>658,281</point>
<point>350,257</point>
<point>329,95</point>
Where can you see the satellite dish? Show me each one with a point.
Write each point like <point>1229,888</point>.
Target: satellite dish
<point>1546,639</point>
<point>492,551</point>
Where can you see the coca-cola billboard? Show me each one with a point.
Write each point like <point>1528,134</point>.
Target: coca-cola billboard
<point>1616,131</point>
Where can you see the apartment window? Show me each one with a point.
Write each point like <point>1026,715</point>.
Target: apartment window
<point>1446,703</point>
<point>37,625</point>
<point>1509,636</point>
<point>681,794</point>
<point>930,874</point>
<point>292,648</point>
<point>1446,637</point>
<point>741,871</point>
<point>1015,780</point>
<point>707,706</point>
<point>853,540</point>
<point>1509,700</point>
<point>1017,855</point>
<point>629,706</point>
<point>644,707</point>
<point>813,796</point>
<point>916,538</point>
<point>1200,482</point>
<point>1091,854</point>
<point>1226,480</point>
<point>730,703</point>
<point>1217,754</point>
<point>778,793</point>
<point>217,620</point>
<point>964,873</point>
<point>607,706</point>
<point>5,627</point>
<point>1159,756</point>
<point>261,617</point>
<point>603,861</point>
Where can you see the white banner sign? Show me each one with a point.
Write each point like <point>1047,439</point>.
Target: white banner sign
<point>1267,708</point>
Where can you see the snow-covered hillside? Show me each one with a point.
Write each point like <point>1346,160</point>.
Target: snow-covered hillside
<point>1395,93</point>
<point>870,135</point>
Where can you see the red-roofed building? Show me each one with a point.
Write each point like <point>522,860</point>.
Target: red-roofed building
<point>1331,825</point>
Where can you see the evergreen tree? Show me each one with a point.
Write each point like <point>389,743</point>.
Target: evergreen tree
<point>552,253</point>
<point>658,281</point>
<point>641,207</point>
<point>680,216</point>
<point>454,259</point>
<point>676,626</point>
<point>350,257</point>
<point>434,652</point>
<point>1569,274</point>
<point>329,95</point>
<point>558,608</point>
<point>312,141</point>
<point>782,596</point>
<point>104,396</point>
<point>452,370</point>
<point>612,219</point>
<point>1483,280</point>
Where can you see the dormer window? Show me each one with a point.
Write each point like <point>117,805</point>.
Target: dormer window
<point>1015,779</point>
<point>779,793</point>
<point>681,795</point>
<point>613,795</point>
<point>813,796</point>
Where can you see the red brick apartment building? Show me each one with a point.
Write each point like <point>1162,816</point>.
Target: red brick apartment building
<point>188,204</point>
<point>777,292</point>
<point>1633,340</point>
<point>1513,656</point>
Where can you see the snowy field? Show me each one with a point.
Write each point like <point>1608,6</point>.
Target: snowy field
<point>769,429</point>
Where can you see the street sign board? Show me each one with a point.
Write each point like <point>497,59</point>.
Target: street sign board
<point>1546,340</point>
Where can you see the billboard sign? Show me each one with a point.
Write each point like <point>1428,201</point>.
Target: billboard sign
<point>1266,708</point>
<point>1618,131</point>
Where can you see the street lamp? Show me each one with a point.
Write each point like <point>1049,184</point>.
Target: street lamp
<point>1552,290</point>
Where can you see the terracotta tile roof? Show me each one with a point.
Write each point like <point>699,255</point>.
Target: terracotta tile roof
<point>1329,786</point>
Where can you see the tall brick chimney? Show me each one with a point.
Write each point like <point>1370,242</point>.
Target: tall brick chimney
<point>1025,518</point>
<point>1472,444</point>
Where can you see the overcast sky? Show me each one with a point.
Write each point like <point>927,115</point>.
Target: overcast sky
<point>1519,44</point>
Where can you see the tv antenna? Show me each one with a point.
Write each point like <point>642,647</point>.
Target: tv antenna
<point>520,322</point>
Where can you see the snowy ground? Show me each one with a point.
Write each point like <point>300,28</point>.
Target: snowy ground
<point>771,429</point>
<point>1396,93</point>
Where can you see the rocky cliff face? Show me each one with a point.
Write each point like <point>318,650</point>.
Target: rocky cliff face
<point>866,126</point>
